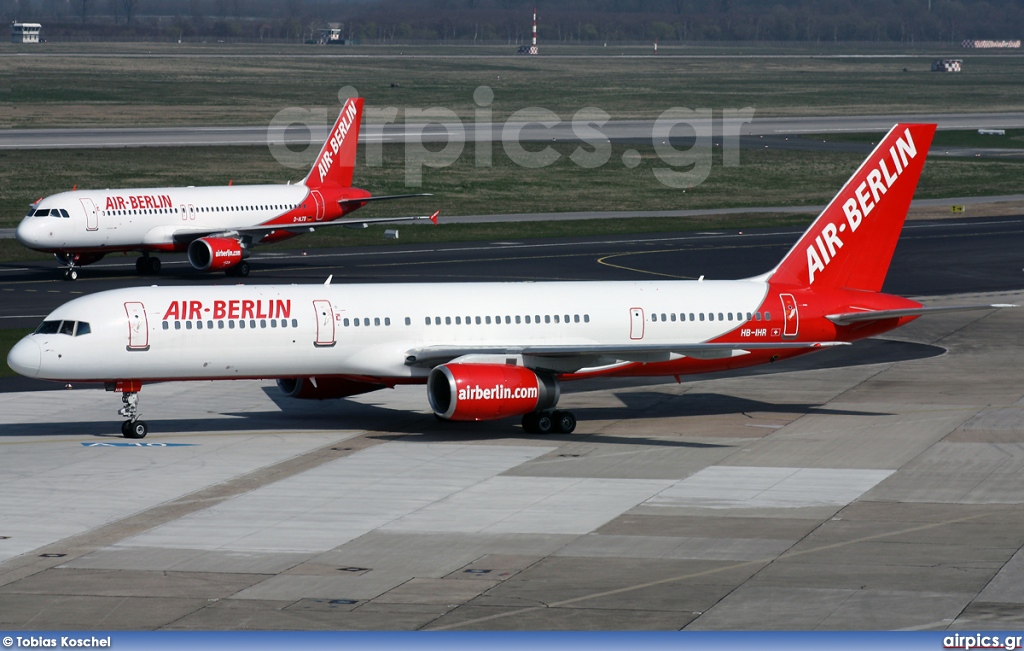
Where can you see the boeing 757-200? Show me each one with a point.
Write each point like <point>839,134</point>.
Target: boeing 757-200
<point>494,350</point>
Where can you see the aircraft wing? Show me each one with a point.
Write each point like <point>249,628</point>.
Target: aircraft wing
<point>584,355</point>
<point>260,230</point>
<point>849,318</point>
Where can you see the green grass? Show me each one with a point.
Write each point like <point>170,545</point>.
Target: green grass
<point>7,340</point>
<point>73,84</point>
<point>763,178</point>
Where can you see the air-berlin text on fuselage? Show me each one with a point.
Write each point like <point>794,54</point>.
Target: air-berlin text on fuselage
<point>323,166</point>
<point>138,201</point>
<point>865,197</point>
<point>240,309</point>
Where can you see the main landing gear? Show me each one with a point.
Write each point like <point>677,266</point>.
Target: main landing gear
<point>547,422</point>
<point>147,265</point>
<point>241,269</point>
<point>133,428</point>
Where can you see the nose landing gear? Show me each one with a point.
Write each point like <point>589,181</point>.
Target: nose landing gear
<point>133,428</point>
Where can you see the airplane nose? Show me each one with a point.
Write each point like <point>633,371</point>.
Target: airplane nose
<point>29,233</point>
<point>24,357</point>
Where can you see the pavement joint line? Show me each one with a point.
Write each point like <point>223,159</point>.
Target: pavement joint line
<point>694,575</point>
<point>78,545</point>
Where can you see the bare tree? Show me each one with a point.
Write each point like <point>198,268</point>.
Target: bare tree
<point>129,7</point>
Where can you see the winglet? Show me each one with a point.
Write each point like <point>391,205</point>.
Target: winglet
<point>337,160</point>
<point>433,217</point>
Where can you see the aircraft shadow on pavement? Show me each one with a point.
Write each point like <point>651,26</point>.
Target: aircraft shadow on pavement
<point>331,415</point>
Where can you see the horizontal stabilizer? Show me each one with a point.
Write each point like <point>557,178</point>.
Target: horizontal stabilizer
<point>848,318</point>
<point>383,197</point>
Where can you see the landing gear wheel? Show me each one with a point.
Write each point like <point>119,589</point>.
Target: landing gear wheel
<point>544,423</point>
<point>71,274</point>
<point>242,269</point>
<point>154,266</point>
<point>136,430</point>
<point>565,422</point>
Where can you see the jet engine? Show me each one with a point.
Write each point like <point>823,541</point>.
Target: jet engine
<point>488,391</point>
<point>215,253</point>
<point>324,388</point>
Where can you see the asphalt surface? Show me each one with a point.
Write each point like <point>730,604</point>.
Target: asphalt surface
<point>932,258</point>
<point>300,135</point>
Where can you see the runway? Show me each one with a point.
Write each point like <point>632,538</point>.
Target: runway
<point>875,487</point>
<point>299,135</point>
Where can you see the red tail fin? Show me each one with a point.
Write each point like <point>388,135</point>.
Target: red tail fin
<point>337,159</point>
<point>851,243</point>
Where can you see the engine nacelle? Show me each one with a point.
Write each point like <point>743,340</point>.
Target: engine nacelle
<point>488,391</point>
<point>324,388</point>
<point>215,253</point>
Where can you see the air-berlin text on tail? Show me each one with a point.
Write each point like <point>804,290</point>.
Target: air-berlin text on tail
<point>334,143</point>
<point>240,309</point>
<point>865,197</point>
<point>138,201</point>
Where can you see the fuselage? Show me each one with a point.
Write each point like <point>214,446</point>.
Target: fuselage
<point>160,219</point>
<point>368,331</point>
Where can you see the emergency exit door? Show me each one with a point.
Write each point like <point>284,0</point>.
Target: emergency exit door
<point>790,315</point>
<point>324,323</point>
<point>138,326</point>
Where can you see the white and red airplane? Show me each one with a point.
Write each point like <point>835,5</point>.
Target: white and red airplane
<point>215,225</point>
<point>493,350</point>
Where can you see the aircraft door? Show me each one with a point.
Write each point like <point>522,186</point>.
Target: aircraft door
<point>790,316</point>
<point>318,199</point>
<point>92,221</point>
<point>636,323</point>
<point>138,326</point>
<point>324,323</point>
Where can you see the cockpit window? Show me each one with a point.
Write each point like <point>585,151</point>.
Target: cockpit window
<point>70,328</point>
<point>64,214</point>
<point>48,328</point>
<point>50,212</point>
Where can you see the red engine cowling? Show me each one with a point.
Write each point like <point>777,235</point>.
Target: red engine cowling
<point>488,391</point>
<point>215,253</point>
<point>324,388</point>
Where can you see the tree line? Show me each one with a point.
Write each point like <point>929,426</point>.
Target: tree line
<point>509,21</point>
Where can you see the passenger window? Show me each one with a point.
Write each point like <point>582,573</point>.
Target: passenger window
<point>387,321</point>
<point>437,321</point>
<point>508,319</point>
<point>730,315</point>
<point>263,323</point>
<point>547,318</point>
<point>527,318</point>
<point>345,322</point>
<point>199,325</point>
<point>576,318</point>
<point>458,320</point>
<point>209,325</point>
<point>586,318</point>
<point>355,322</point>
<point>165,325</point>
<point>273,323</point>
<point>408,321</point>
<point>556,318</point>
<point>241,324</point>
<point>701,315</point>
<point>767,316</point>
<point>518,320</point>
<point>757,316</point>
<point>177,325</point>
<point>478,320</point>
<point>487,320</point>
<point>427,320</point>
<point>231,325</point>
<point>447,320</point>
<point>673,315</point>
<point>295,323</point>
